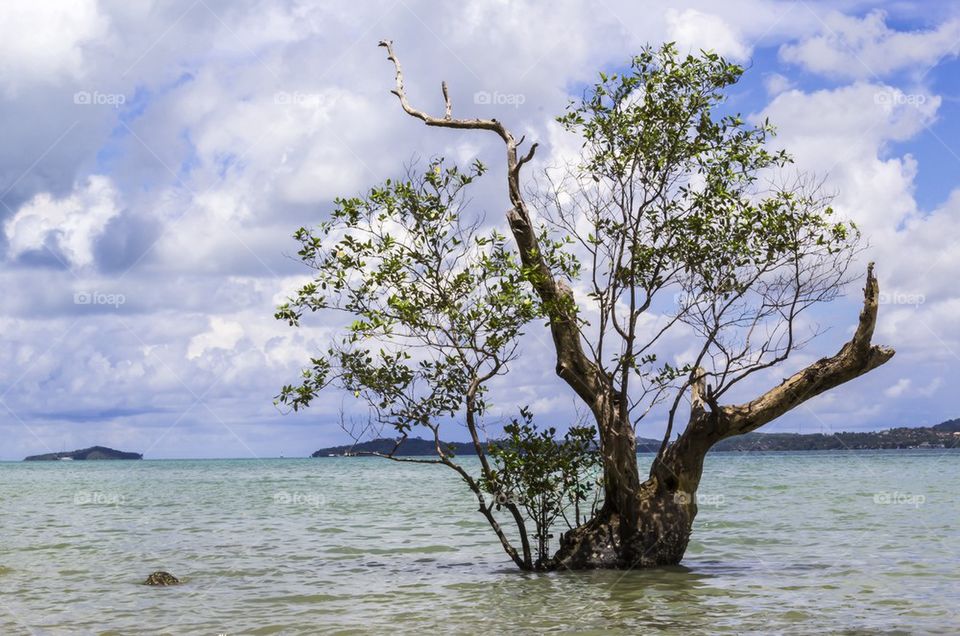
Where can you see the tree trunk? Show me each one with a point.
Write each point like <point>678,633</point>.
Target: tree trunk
<point>621,479</point>
<point>652,528</point>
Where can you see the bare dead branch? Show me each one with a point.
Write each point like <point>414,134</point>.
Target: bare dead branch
<point>448,111</point>
<point>527,157</point>
<point>447,121</point>
<point>855,358</point>
<point>698,391</point>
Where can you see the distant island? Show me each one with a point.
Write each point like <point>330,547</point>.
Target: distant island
<point>412,446</point>
<point>945,435</point>
<point>92,453</point>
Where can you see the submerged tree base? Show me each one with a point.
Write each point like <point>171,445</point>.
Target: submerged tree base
<point>605,542</point>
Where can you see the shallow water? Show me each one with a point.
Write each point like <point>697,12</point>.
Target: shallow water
<point>789,543</point>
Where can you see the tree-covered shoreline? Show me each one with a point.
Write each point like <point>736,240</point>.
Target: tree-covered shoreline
<point>945,435</point>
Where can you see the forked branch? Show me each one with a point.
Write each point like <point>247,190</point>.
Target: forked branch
<point>447,121</point>
<point>856,357</point>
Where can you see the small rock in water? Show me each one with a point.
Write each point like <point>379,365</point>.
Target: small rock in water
<point>161,578</point>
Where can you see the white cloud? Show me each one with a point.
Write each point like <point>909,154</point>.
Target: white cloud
<point>218,173</point>
<point>844,134</point>
<point>906,387</point>
<point>898,389</point>
<point>222,334</point>
<point>775,83</point>
<point>694,30</point>
<point>44,41</point>
<point>851,47</point>
<point>70,224</point>
<point>931,388</point>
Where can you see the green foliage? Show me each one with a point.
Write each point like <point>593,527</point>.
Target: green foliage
<point>545,476</point>
<point>435,305</point>
<point>693,174</point>
<point>676,195</point>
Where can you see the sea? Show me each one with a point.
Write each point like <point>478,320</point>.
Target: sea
<point>852,542</point>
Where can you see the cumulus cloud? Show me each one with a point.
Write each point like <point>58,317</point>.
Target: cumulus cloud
<point>844,134</point>
<point>69,225</point>
<point>847,135</point>
<point>694,30</point>
<point>243,118</point>
<point>775,83</point>
<point>223,334</point>
<point>898,389</point>
<point>851,47</point>
<point>44,41</point>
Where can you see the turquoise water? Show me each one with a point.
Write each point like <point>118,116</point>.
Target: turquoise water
<point>791,543</point>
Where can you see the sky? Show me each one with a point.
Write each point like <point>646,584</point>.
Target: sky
<point>156,158</point>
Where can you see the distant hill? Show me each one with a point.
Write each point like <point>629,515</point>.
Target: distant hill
<point>417,447</point>
<point>92,453</point>
<point>945,435</point>
<point>950,426</point>
<point>412,447</point>
<point>890,439</point>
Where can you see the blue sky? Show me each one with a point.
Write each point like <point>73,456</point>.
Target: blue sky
<point>158,156</point>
